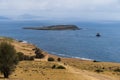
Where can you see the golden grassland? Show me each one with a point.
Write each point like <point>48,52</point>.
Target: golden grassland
<point>31,70</point>
<point>76,69</point>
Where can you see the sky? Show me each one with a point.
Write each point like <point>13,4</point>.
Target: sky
<point>85,10</point>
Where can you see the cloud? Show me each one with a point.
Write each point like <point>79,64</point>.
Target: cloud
<point>77,9</point>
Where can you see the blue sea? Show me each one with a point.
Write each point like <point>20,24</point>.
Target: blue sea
<point>70,43</point>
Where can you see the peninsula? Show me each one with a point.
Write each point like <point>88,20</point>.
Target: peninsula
<point>55,27</point>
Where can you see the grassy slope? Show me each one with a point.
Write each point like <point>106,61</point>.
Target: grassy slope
<point>76,69</point>
<point>107,68</point>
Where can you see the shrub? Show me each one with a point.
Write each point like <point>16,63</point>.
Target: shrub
<point>31,57</point>
<point>26,57</point>
<point>117,70</point>
<point>59,59</point>
<point>20,56</point>
<point>51,59</point>
<point>38,53</point>
<point>99,70</point>
<point>61,67</point>
<point>95,61</point>
<point>54,66</point>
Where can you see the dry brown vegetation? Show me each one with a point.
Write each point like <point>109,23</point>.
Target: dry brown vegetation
<point>108,68</point>
<point>75,69</point>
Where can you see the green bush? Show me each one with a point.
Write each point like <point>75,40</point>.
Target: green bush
<point>51,59</point>
<point>117,70</point>
<point>61,67</point>
<point>20,56</point>
<point>99,70</point>
<point>38,53</point>
<point>54,66</point>
<point>95,61</point>
<point>31,58</point>
<point>59,59</point>
<point>26,57</point>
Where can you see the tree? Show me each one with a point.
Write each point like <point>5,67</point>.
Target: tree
<point>8,59</point>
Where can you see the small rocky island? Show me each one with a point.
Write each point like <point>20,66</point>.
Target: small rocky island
<point>55,27</point>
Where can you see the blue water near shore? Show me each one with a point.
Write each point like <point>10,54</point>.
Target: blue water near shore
<point>79,43</point>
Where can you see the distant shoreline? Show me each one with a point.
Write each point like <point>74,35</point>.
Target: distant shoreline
<point>51,53</point>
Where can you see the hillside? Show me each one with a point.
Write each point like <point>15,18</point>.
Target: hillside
<point>76,69</point>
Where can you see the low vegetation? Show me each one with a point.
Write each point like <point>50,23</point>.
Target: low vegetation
<point>61,67</point>
<point>51,59</point>
<point>58,67</point>
<point>117,70</point>
<point>22,57</point>
<point>54,66</point>
<point>38,53</point>
<point>58,59</point>
<point>99,70</point>
<point>95,61</point>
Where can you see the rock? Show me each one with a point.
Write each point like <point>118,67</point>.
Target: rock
<point>98,35</point>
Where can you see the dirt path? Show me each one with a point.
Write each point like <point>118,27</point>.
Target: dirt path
<point>85,75</point>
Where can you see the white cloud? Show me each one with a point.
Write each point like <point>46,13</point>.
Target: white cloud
<point>84,9</point>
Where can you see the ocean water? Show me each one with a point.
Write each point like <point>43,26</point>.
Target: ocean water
<point>78,44</point>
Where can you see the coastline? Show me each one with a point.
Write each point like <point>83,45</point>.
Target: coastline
<point>80,42</point>
<point>54,54</point>
<point>74,66</point>
<point>51,54</point>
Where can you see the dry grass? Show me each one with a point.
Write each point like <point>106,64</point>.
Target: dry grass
<point>104,67</point>
<point>32,70</point>
<point>76,69</point>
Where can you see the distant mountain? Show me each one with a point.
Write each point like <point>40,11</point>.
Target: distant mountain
<point>28,17</point>
<point>3,18</point>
